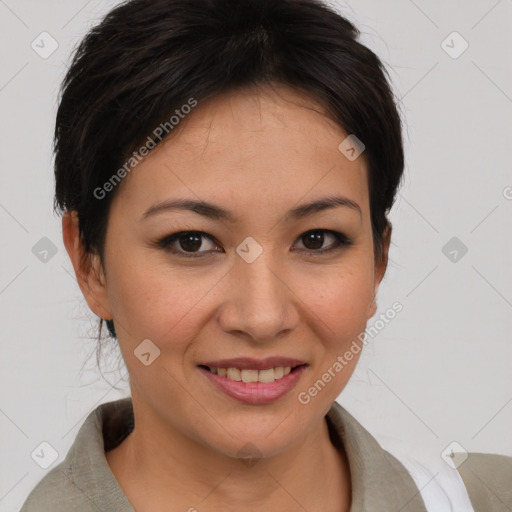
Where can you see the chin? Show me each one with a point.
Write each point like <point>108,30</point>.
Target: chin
<point>243,441</point>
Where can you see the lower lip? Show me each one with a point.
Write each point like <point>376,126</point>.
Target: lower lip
<point>255,392</point>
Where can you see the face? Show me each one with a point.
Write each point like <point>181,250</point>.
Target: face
<point>265,289</point>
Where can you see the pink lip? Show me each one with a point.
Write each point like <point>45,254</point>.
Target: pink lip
<point>255,392</point>
<point>248,363</point>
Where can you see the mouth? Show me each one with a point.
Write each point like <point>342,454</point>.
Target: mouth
<point>254,381</point>
<point>252,375</point>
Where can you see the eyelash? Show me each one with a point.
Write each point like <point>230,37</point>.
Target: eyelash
<point>341,242</point>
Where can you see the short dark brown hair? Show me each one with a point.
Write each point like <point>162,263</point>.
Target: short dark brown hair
<point>147,58</point>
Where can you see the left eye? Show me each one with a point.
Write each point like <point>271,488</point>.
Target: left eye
<point>191,241</point>
<point>317,238</point>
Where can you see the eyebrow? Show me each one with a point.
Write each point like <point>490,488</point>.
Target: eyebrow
<point>215,212</point>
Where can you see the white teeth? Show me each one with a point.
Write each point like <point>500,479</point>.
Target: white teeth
<point>267,375</point>
<point>278,372</point>
<point>234,374</point>
<point>249,375</point>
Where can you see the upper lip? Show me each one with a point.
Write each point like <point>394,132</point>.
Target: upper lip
<point>249,363</point>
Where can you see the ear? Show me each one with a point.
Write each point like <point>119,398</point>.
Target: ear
<point>380,268</point>
<point>88,269</point>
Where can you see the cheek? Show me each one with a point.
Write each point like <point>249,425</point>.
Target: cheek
<point>157,301</point>
<point>340,297</point>
<point>168,304</point>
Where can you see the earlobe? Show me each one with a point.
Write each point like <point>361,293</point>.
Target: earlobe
<point>382,263</point>
<point>373,308</point>
<point>88,268</point>
<point>380,268</point>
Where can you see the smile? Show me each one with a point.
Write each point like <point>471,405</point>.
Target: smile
<point>242,380</point>
<point>240,375</point>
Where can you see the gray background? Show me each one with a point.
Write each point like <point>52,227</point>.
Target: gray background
<point>439,372</point>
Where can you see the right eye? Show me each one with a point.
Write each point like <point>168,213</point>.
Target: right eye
<point>189,241</point>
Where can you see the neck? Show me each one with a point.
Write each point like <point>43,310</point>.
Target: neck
<point>157,466</point>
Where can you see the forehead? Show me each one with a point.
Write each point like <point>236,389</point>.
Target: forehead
<point>256,149</point>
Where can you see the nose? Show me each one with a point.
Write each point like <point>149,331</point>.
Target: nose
<point>259,303</point>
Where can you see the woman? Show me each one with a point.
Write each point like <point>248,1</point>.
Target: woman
<point>225,170</point>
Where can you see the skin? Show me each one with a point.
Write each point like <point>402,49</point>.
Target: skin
<point>288,302</point>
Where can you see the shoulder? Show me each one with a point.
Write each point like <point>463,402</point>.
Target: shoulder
<point>55,492</point>
<point>83,482</point>
<point>476,482</point>
<point>488,480</point>
<point>447,481</point>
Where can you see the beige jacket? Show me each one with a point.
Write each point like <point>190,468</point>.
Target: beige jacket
<point>83,481</point>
